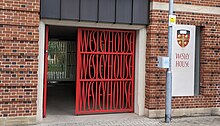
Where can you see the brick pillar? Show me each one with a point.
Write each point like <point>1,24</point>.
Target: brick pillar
<point>19,20</point>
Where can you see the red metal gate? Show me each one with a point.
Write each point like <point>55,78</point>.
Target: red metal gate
<point>105,71</point>
<point>45,70</point>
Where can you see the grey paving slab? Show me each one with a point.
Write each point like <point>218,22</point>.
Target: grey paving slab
<point>127,119</point>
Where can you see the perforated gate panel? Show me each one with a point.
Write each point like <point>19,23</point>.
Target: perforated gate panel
<point>105,71</point>
<point>61,60</point>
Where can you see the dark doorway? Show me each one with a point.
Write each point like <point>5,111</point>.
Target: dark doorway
<point>61,71</point>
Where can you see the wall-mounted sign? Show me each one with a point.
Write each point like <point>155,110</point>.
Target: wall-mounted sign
<point>172,20</point>
<point>183,60</point>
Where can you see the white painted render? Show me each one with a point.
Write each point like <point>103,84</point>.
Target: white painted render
<point>140,59</point>
<point>40,85</point>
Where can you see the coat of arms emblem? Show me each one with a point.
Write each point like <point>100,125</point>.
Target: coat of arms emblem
<point>183,37</point>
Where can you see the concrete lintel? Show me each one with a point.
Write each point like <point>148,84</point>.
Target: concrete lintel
<point>91,24</point>
<point>185,8</point>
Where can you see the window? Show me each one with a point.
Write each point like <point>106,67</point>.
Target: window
<point>197,60</point>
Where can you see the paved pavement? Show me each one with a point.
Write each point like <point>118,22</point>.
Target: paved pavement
<point>126,119</point>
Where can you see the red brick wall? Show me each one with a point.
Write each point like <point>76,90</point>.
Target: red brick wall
<point>213,3</point>
<point>19,20</point>
<point>210,60</point>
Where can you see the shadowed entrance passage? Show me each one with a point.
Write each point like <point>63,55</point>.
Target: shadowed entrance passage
<point>61,99</point>
<point>61,74</point>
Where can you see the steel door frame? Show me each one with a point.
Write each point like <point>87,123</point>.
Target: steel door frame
<point>92,80</point>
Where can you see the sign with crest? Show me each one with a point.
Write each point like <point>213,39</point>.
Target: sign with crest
<point>183,37</point>
<point>183,60</point>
